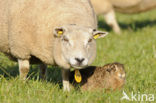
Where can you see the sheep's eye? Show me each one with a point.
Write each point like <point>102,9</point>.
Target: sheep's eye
<point>65,39</point>
<point>90,40</point>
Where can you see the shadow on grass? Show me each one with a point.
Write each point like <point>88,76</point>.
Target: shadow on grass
<point>53,73</point>
<point>134,26</point>
<point>9,71</point>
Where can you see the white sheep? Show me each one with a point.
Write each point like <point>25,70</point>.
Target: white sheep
<point>60,32</point>
<point>107,8</point>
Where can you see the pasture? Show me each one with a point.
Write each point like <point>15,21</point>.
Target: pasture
<point>135,48</point>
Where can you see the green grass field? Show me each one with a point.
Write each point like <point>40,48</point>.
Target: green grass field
<point>135,48</point>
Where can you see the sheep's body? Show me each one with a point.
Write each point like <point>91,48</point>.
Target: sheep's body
<point>107,8</point>
<point>26,26</point>
<point>26,30</point>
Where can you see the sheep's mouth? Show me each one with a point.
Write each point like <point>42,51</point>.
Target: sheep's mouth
<point>78,66</point>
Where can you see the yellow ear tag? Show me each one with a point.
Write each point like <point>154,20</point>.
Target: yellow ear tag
<point>96,36</point>
<point>77,76</point>
<point>60,33</point>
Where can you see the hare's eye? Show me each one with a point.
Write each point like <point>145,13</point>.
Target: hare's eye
<point>119,75</point>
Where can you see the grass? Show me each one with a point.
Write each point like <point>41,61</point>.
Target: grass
<point>135,48</point>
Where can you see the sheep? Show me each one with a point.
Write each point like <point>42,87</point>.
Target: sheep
<point>110,77</point>
<point>53,32</point>
<point>107,8</point>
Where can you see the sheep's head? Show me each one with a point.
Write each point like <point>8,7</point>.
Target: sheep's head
<point>78,44</point>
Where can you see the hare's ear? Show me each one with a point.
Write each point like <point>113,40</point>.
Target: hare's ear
<point>108,70</point>
<point>115,68</point>
<point>59,31</point>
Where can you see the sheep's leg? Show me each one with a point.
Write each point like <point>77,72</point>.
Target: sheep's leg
<point>23,68</point>
<point>43,68</point>
<point>65,78</point>
<point>111,21</point>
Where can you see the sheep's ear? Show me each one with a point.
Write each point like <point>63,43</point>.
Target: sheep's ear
<point>58,32</point>
<point>99,34</point>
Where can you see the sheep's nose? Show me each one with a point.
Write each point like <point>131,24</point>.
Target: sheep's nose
<point>79,60</point>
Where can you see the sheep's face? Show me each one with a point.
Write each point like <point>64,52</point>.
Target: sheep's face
<point>78,44</point>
